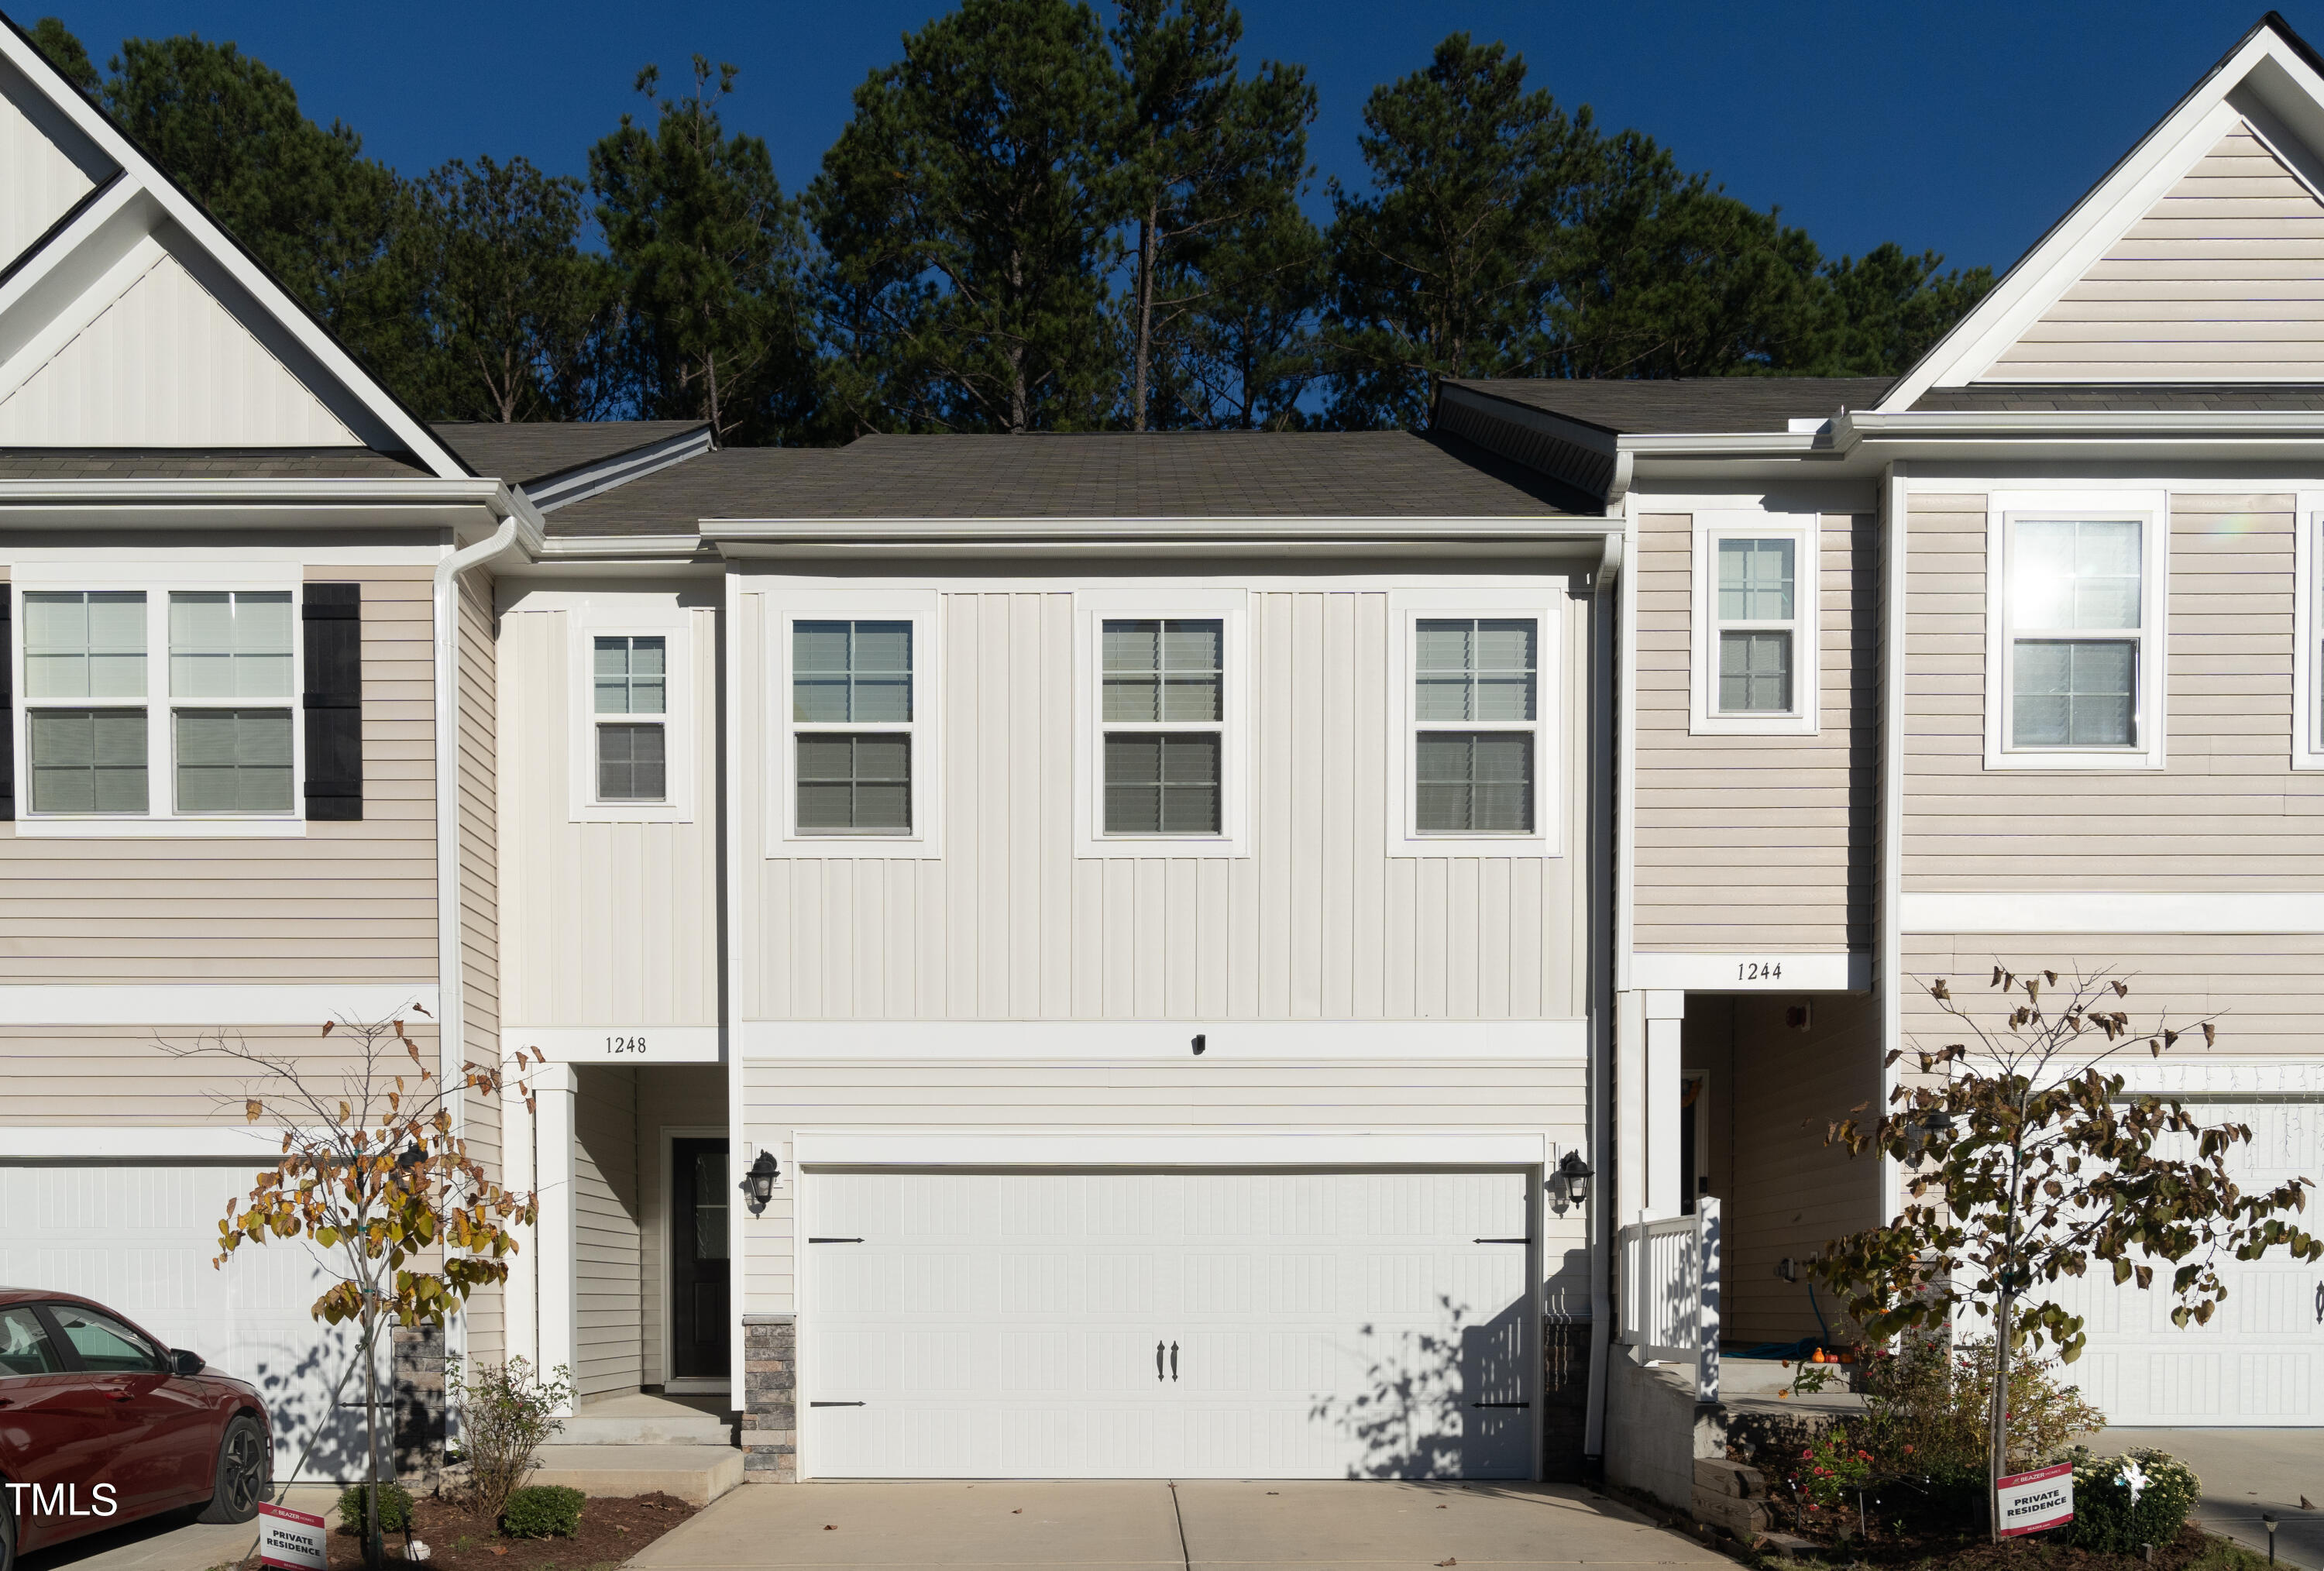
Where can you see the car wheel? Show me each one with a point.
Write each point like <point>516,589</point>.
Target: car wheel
<point>243,1469</point>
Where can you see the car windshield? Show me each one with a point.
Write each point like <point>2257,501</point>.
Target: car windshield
<point>103,1343</point>
<point>24,1345</point>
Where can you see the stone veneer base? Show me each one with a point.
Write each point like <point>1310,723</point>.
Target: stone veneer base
<point>771,1399</point>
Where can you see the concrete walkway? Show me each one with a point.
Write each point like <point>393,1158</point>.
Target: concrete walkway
<point>173,1541</point>
<point>2246,1472</point>
<point>1151,1525</point>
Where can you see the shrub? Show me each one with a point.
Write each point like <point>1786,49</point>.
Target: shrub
<point>1928,1407</point>
<point>542,1511</point>
<point>395,1508</point>
<point>1832,1470</point>
<point>2105,1518</point>
<point>507,1413</point>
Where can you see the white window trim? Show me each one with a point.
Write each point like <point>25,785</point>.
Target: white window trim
<point>1805,717</point>
<point>918,607</point>
<point>2308,627</point>
<point>2153,709</point>
<point>1092,609</point>
<point>1405,609</point>
<point>673,622</point>
<point>161,819</point>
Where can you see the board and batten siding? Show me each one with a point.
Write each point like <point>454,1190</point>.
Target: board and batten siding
<point>1756,842</point>
<point>608,1286</point>
<point>1317,923</point>
<point>605,923</point>
<point>2222,279</point>
<point>1424,1093</point>
<point>2226,814</point>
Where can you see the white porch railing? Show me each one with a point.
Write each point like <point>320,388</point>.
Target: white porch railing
<point>1670,1292</point>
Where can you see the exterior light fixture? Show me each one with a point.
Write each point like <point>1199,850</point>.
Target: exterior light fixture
<point>1929,1128</point>
<point>1573,1178</point>
<point>758,1183</point>
<point>2267,1520</point>
<point>413,1155</point>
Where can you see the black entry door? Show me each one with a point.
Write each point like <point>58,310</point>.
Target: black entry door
<point>699,1193</point>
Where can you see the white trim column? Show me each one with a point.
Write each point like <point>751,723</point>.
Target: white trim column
<point>554,1259</point>
<point>1665,1120</point>
<point>520,1294</point>
<point>1628,1189</point>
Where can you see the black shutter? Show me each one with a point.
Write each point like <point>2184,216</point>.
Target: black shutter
<point>7,713</point>
<point>333,616</point>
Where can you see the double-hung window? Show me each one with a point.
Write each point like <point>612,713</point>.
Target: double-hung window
<point>1754,623</point>
<point>2078,666</point>
<point>1477,758</point>
<point>160,705</point>
<point>1161,684</point>
<point>852,716</point>
<point>630,690</point>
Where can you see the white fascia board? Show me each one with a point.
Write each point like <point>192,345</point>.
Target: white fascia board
<point>1094,1041</point>
<point>2050,425</point>
<point>228,255</point>
<point>1116,1148</point>
<point>583,547</point>
<point>2093,223</point>
<point>1724,444</point>
<point>2052,912</point>
<point>1139,532</point>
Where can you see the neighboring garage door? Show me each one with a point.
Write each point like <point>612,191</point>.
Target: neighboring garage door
<point>140,1239</point>
<point>1189,1325</point>
<point>2261,1360</point>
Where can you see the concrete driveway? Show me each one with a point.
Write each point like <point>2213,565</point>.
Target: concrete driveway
<point>1146,1525</point>
<point>2246,1472</point>
<point>173,1541</point>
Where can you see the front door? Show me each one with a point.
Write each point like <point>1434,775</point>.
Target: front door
<point>699,1192</point>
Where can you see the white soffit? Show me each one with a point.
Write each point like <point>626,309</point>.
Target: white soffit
<point>162,364</point>
<point>2266,91</point>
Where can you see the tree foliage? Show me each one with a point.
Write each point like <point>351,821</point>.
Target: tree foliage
<point>710,254</point>
<point>2029,1163</point>
<point>969,212</point>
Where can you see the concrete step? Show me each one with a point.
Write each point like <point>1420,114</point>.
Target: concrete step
<point>696,1474</point>
<point>641,1419</point>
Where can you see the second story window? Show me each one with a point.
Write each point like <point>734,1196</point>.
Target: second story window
<point>630,690</point>
<point>85,714</point>
<point>1477,778</point>
<point>1164,712</point>
<point>853,719</point>
<point>1753,627</point>
<point>1758,600</point>
<point>2075,672</point>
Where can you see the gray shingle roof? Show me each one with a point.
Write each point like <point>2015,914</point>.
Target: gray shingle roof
<point>530,451</point>
<point>1175,474</point>
<point>2049,397</point>
<point>204,464</point>
<point>1687,404</point>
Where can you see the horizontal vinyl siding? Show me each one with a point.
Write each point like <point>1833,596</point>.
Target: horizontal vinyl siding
<point>606,1287</point>
<point>348,902</point>
<point>608,924</point>
<point>1318,922</point>
<point>1220,1098</point>
<point>113,1075</point>
<point>2226,814</point>
<point>2267,990</point>
<point>1783,1191</point>
<point>1754,843</point>
<point>2223,278</point>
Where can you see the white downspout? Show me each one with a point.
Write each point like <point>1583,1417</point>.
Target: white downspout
<point>451,1045</point>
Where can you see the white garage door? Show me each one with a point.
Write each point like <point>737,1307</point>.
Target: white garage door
<point>2261,1360</point>
<point>140,1239</point>
<point>1220,1324</point>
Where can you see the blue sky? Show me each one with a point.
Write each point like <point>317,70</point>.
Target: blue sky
<point>1964,128</point>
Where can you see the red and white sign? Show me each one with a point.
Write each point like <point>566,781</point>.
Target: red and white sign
<point>2033,1501</point>
<point>290,1540</point>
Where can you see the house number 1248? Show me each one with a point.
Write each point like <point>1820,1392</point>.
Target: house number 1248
<point>636,1045</point>
<point>1758,971</point>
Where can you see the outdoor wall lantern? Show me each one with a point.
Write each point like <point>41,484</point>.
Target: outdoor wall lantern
<point>1929,1127</point>
<point>1572,1179</point>
<point>758,1183</point>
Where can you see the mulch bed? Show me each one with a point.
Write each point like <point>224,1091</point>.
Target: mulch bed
<point>612,1530</point>
<point>2035,1552</point>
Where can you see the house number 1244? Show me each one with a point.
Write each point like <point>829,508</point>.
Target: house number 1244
<point>1758,971</point>
<point>636,1045</point>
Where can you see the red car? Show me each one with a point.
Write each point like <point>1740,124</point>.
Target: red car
<point>101,1424</point>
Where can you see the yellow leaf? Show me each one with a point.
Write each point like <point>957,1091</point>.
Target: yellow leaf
<point>345,1112</point>
<point>250,1110</point>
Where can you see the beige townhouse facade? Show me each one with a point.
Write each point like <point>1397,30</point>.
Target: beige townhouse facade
<point>1204,940</point>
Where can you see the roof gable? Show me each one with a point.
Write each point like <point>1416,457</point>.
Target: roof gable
<point>2198,258</point>
<point>128,319</point>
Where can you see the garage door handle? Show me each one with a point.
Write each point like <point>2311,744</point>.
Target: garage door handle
<point>1157,1363</point>
<point>1173,1361</point>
